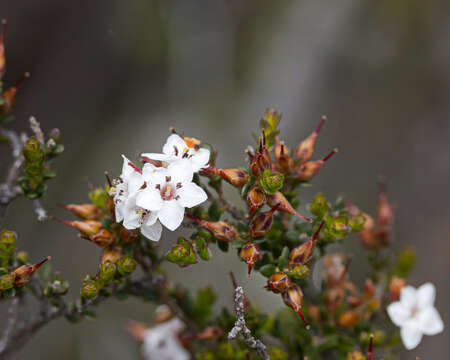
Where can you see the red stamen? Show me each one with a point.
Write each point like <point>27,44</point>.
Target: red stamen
<point>303,217</point>
<point>21,80</point>
<point>250,267</point>
<point>300,313</point>
<point>3,32</point>
<point>330,155</point>
<point>192,217</point>
<point>38,265</point>
<point>134,167</point>
<point>108,180</point>
<point>322,121</point>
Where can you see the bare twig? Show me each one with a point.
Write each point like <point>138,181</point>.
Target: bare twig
<point>13,313</point>
<point>240,327</point>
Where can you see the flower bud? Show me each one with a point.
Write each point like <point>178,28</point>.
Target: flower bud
<point>256,198</point>
<point>103,238</point>
<point>261,161</point>
<point>90,290</point>
<point>84,211</point>
<point>284,161</point>
<point>306,148</point>
<point>369,289</point>
<point>303,254</point>
<point>278,283</point>
<point>9,96</point>
<point>261,223</point>
<point>395,287</point>
<point>32,151</point>
<point>348,319</point>
<point>319,206</point>
<point>356,355</point>
<point>309,169</point>
<point>87,227</point>
<point>236,177</point>
<point>6,282</point>
<point>220,229</point>
<point>2,49</point>
<point>128,235</point>
<point>178,254</point>
<point>107,271</point>
<point>354,301</point>
<point>385,211</point>
<point>279,199</point>
<point>338,227</point>
<point>7,246</point>
<point>250,254</point>
<point>293,298</point>
<point>201,247</point>
<point>299,272</point>
<point>111,255</point>
<point>271,182</point>
<point>23,273</point>
<point>126,265</point>
<point>210,333</point>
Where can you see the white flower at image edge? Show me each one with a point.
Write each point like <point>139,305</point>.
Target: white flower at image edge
<point>176,148</point>
<point>125,192</point>
<point>169,191</point>
<point>415,314</point>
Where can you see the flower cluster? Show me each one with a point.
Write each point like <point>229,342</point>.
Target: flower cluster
<point>160,191</point>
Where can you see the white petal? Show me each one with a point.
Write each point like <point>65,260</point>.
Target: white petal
<point>430,321</point>
<point>152,232</point>
<point>149,199</point>
<point>411,335</point>
<point>398,313</point>
<point>131,221</point>
<point>408,297</point>
<point>151,218</point>
<point>171,214</point>
<point>160,157</point>
<point>135,182</point>
<point>118,211</point>
<point>181,171</point>
<point>191,195</point>
<point>426,295</point>
<point>174,141</point>
<point>126,168</point>
<point>200,159</point>
<point>154,175</point>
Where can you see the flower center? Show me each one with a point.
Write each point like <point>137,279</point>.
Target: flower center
<point>167,192</point>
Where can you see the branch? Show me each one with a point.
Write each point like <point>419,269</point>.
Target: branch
<point>241,328</point>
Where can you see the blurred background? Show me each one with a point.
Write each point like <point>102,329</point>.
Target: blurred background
<point>114,75</point>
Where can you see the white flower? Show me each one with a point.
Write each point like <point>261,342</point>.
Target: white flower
<point>161,342</point>
<point>415,314</point>
<point>177,148</point>
<point>169,191</point>
<point>125,192</point>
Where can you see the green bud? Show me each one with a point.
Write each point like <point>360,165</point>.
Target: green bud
<point>299,272</point>
<point>272,182</point>
<point>405,262</point>
<point>32,150</point>
<point>319,207</point>
<point>338,227</point>
<point>7,246</point>
<point>6,282</point>
<point>107,271</point>
<point>60,287</point>
<point>202,248</point>
<point>99,197</point>
<point>90,290</point>
<point>177,254</point>
<point>126,265</point>
<point>357,222</point>
<point>8,238</point>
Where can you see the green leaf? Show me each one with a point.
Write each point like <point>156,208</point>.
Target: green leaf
<point>267,270</point>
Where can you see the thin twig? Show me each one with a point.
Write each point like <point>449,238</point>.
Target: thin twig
<point>240,327</point>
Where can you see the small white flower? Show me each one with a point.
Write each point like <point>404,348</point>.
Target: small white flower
<point>169,191</point>
<point>125,192</point>
<point>161,342</point>
<point>177,148</point>
<point>415,314</point>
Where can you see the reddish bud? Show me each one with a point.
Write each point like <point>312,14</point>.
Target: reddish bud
<point>220,229</point>
<point>293,298</point>
<point>354,301</point>
<point>256,198</point>
<point>128,235</point>
<point>284,161</point>
<point>210,333</point>
<point>250,254</point>
<point>84,211</point>
<point>87,227</point>
<point>261,223</point>
<point>303,254</point>
<point>385,211</point>
<point>306,148</point>
<point>278,283</point>
<point>2,49</point>
<point>261,161</point>
<point>23,273</point>
<point>309,169</point>
<point>279,199</point>
<point>395,287</point>
<point>369,289</point>
<point>103,238</point>
<point>9,96</point>
<point>111,255</point>
<point>236,177</point>
<point>348,319</point>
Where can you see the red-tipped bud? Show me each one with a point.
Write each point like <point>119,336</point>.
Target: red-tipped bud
<point>261,223</point>
<point>87,227</point>
<point>278,283</point>
<point>395,287</point>
<point>306,148</point>
<point>111,255</point>
<point>236,177</point>
<point>370,350</point>
<point>23,273</point>
<point>84,211</point>
<point>369,289</point>
<point>103,238</point>
<point>9,96</point>
<point>303,254</point>
<point>309,169</point>
<point>385,211</point>
<point>293,298</point>
<point>284,161</point>
<point>348,319</point>
<point>279,199</point>
<point>2,49</point>
<point>250,254</point>
<point>210,333</point>
<point>220,229</point>
<point>256,198</point>
<point>261,161</point>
